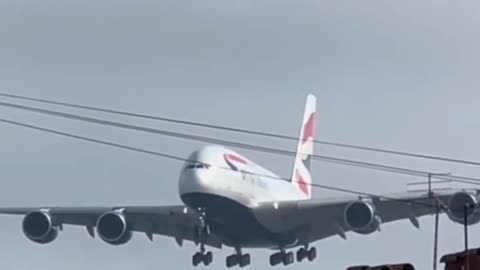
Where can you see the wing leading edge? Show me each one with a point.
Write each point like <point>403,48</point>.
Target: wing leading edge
<point>178,222</point>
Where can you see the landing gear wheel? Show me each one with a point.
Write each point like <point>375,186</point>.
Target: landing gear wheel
<point>276,259</point>
<point>288,258</point>
<point>312,254</point>
<point>201,257</point>
<point>232,260</point>
<point>244,260</point>
<point>301,254</point>
<point>197,259</point>
<point>207,258</point>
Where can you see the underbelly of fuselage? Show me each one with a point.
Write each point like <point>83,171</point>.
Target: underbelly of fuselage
<point>235,223</point>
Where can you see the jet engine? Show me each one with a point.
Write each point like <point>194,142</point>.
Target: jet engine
<point>112,227</point>
<point>39,227</point>
<point>456,207</point>
<point>359,267</point>
<point>405,266</point>
<point>361,217</point>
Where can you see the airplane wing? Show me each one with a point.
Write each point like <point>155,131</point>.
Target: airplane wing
<point>316,219</point>
<point>178,222</point>
<point>309,220</point>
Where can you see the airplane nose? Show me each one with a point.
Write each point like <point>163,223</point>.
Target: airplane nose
<point>194,180</point>
<point>199,176</point>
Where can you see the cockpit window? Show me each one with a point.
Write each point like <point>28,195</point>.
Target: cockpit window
<point>197,166</point>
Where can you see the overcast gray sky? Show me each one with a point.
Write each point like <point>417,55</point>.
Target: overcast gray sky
<point>395,74</point>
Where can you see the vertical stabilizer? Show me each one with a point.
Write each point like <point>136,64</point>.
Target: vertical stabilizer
<point>301,174</point>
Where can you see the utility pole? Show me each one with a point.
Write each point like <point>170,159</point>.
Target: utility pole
<point>435,236</point>
<point>465,227</point>
<point>432,197</point>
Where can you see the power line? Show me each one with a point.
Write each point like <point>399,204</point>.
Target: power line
<point>177,158</point>
<point>241,130</point>
<point>330,159</point>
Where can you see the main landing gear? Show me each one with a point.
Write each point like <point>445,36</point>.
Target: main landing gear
<point>287,258</point>
<point>282,257</point>
<point>305,253</point>
<point>238,258</point>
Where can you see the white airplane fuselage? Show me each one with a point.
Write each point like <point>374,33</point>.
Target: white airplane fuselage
<point>228,187</point>
<point>232,176</point>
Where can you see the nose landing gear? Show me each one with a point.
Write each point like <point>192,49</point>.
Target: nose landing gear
<point>202,257</point>
<point>203,231</point>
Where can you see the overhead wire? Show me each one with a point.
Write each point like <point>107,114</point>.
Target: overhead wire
<point>177,158</point>
<point>330,159</point>
<point>240,130</point>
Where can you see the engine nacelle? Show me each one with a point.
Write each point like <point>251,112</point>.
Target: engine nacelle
<point>456,207</point>
<point>359,267</point>
<point>112,227</point>
<point>361,217</point>
<point>405,266</point>
<point>39,227</point>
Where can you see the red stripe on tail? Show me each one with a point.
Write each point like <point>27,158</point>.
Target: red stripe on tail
<point>301,183</point>
<point>309,129</point>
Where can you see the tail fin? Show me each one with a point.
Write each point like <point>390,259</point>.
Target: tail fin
<point>301,174</point>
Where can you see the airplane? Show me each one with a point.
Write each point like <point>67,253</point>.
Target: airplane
<point>231,201</point>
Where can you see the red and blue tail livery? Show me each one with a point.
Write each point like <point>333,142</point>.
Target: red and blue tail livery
<point>301,175</point>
